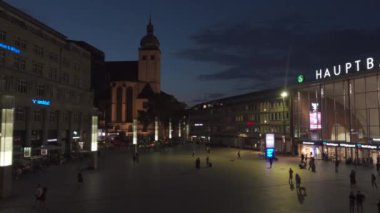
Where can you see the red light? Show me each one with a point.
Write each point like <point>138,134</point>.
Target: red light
<point>249,123</point>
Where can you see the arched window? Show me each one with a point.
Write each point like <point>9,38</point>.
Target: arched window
<point>119,103</point>
<point>129,108</point>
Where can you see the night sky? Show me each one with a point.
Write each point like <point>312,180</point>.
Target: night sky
<point>213,49</point>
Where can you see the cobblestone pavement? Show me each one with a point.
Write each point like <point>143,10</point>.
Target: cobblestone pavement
<point>167,181</point>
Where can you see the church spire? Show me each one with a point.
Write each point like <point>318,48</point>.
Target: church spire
<point>149,27</point>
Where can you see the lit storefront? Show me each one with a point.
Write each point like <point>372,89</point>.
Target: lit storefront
<point>340,108</point>
<point>311,148</point>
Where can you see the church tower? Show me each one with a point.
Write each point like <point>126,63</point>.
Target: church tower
<point>150,59</point>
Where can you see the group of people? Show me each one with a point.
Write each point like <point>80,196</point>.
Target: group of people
<point>198,160</point>
<point>303,163</point>
<point>358,200</point>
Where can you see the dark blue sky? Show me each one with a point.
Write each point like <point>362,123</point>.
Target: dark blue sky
<point>211,49</point>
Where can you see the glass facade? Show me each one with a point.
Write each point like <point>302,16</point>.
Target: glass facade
<point>341,111</point>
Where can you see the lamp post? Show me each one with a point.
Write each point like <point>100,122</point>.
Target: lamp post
<point>284,94</point>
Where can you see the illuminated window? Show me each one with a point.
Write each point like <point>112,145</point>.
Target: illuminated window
<point>129,108</point>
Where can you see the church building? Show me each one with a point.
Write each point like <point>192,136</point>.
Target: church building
<point>133,82</point>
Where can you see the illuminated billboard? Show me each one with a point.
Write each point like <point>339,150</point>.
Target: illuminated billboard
<point>315,117</point>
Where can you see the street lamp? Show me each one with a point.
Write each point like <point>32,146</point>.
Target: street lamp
<point>284,94</point>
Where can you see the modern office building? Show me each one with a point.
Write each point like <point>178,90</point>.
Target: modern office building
<point>243,120</point>
<point>48,78</point>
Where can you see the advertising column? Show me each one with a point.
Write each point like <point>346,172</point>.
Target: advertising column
<point>269,146</point>
<point>6,145</point>
<point>94,140</point>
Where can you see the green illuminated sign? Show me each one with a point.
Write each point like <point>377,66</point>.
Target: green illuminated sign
<point>300,79</point>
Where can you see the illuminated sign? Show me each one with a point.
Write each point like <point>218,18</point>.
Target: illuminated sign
<point>41,102</point>
<point>269,152</point>
<point>94,133</point>
<point>198,124</point>
<point>300,79</point>
<point>347,145</point>
<point>315,117</point>
<point>134,128</point>
<point>346,68</point>
<point>308,143</point>
<point>269,139</point>
<point>10,48</point>
<point>44,151</point>
<point>27,152</point>
<point>6,138</point>
<point>249,123</point>
<point>155,129</point>
<point>330,144</point>
<point>365,146</point>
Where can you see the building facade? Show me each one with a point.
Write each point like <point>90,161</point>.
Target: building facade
<point>243,120</point>
<point>337,116</point>
<point>49,78</point>
<point>132,83</point>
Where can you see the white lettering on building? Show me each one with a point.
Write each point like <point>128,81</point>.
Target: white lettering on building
<point>358,65</point>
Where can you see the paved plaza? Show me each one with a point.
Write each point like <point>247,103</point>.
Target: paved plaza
<point>167,181</point>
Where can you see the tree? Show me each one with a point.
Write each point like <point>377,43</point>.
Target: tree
<point>163,106</point>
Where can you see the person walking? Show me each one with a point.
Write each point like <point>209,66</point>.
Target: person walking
<point>270,162</point>
<point>38,195</point>
<point>352,198</point>
<point>207,161</point>
<point>238,154</point>
<point>353,178</point>
<point>336,166</point>
<point>298,180</point>
<point>302,157</point>
<point>359,201</point>
<point>373,181</point>
<point>290,176</point>
<point>80,178</point>
<point>310,164</point>
<point>198,163</point>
